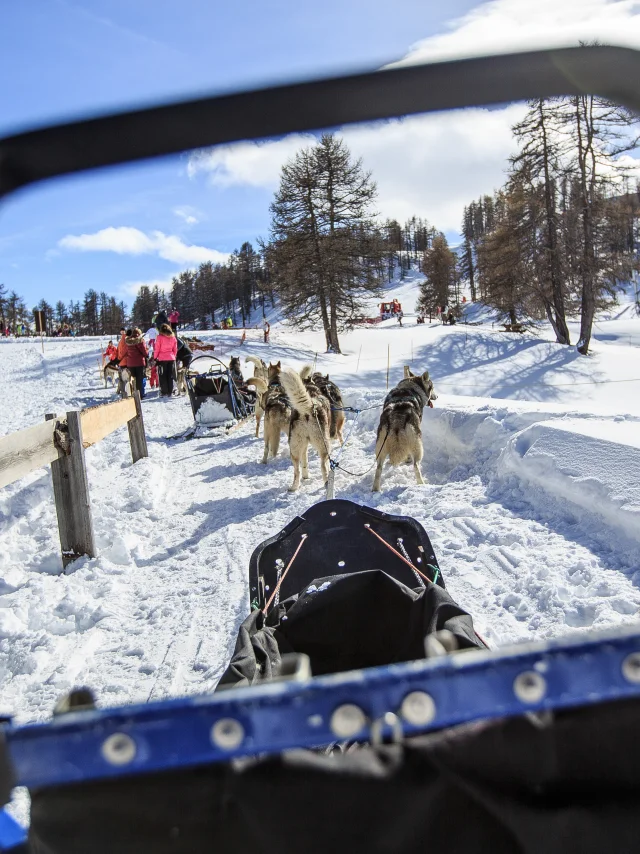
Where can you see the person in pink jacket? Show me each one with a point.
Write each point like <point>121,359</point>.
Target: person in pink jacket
<point>164,353</point>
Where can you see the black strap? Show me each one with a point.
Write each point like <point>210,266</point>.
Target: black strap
<point>33,156</point>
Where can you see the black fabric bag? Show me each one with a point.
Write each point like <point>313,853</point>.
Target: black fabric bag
<point>346,622</point>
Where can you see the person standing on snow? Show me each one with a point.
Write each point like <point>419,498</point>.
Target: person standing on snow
<point>174,319</point>
<point>137,358</point>
<point>161,317</point>
<point>122,348</point>
<point>165,351</point>
<point>151,334</point>
<point>267,330</point>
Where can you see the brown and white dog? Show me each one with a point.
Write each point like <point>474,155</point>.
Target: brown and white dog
<point>331,391</point>
<point>310,423</point>
<point>399,435</point>
<point>261,371</point>
<point>275,405</point>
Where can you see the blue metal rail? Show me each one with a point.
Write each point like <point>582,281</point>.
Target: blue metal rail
<point>402,699</point>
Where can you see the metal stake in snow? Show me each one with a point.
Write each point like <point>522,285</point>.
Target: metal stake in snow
<point>388,361</point>
<point>358,362</point>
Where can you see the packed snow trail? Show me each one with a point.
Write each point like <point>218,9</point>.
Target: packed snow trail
<point>156,612</point>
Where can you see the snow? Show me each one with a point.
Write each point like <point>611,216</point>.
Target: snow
<point>532,457</point>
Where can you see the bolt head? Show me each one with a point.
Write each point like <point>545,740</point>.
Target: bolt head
<point>347,721</point>
<point>118,749</point>
<point>529,686</point>
<point>227,734</point>
<point>418,708</point>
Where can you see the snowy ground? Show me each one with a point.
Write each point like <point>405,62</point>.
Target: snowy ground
<point>533,504</point>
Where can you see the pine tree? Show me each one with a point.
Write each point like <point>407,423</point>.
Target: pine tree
<point>325,252</point>
<point>439,267</point>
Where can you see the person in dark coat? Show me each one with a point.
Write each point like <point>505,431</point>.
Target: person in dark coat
<point>137,358</point>
<point>184,354</point>
<point>160,319</point>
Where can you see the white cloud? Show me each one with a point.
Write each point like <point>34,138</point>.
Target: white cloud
<point>187,213</point>
<point>502,26</point>
<point>256,164</point>
<point>125,240</point>
<point>432,165</point>
<point>130,289</point>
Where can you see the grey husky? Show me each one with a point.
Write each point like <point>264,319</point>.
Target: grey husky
<point>399,435</point>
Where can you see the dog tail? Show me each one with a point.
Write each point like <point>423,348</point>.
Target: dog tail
<point>256,361</point>
<point>305,373</point>
<point>258,382</point>
<point>294,388</point>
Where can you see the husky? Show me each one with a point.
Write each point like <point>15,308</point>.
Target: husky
<point>399,435</point>
<point>277,411</point>
<point>110,372</point>
<point>309,424</point>
<point>181,383</point>
<point>261,371</point>
<point>331,391</point>
<point>236,371</point>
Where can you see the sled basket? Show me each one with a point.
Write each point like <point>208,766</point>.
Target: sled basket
<point>215,397</point>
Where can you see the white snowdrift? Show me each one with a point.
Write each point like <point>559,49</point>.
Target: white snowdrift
<point>593,464</point>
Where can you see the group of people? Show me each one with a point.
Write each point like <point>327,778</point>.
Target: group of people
<point>159,349</point>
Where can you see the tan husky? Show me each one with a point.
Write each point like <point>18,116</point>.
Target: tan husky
<point>261,371</point>
<point>309,425</point>
<point>399,435</point>
<point>277,412</point>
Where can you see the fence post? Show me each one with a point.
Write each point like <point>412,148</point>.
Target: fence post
<point>137,437</point>
<point>71,493</point>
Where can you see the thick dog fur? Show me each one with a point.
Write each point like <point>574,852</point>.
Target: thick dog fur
<point>309,425</point>
<point>261,371</point>
<point>110,372</point>
<point>331,391</point>
<point>277,412</point>
<point>399,436</point>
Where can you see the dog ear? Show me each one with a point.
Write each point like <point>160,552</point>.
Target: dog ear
<point>425,376</point>
<point>278,364</point>
<point>408,373</point>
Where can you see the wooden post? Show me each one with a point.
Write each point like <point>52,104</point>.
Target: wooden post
<point>388,361</point>
<point>137,437</point>
<point>359,354</point>
<point>71,493</point>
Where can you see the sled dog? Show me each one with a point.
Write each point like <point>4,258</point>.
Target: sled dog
<point>110,372</point>
<point>331,391</point>
<point>181,383</point>
<point>399,435</point>
<point>277,411</point>
<point>261,371</point>
<point>309,425</point>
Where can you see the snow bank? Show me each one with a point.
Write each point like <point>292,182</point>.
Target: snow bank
<point>593,464</point>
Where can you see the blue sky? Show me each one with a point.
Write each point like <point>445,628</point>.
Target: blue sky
<point>115,229</point>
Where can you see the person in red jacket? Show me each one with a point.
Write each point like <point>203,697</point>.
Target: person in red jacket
<point>165,350</point>
<point>137,358</point>
<point>122,347</point>
<point>174,319</point>
<point>110,356</point>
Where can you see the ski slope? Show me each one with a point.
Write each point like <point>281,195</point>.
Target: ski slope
<point>532,459</point>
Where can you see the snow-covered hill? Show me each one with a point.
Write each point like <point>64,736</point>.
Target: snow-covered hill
<point>533,502</point>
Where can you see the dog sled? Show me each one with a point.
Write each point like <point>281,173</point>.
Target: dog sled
<point>360,710</point>
<point>219,399</point>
